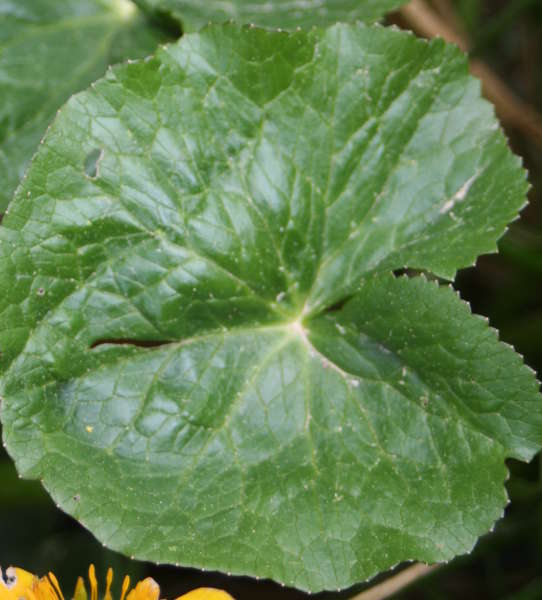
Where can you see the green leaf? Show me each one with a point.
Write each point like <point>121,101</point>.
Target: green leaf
<point>206,358</point>
<point>285,14</point>
<point>50,49</point>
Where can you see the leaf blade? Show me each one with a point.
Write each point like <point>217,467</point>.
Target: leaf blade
<point>256,461</point>
<point>156,337</point>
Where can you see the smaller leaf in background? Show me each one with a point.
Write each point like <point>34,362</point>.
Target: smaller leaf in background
<point>281,14</point>
<point>50,49</point>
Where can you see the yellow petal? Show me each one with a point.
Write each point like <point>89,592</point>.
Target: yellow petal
<point>125,586</point>
<point>93,582</point>
<point>206,594</point>
<point>147,589</point>
<point>44,588</point>
<point>108,582</point>
<point>54,583</point>
<point>15,583</point>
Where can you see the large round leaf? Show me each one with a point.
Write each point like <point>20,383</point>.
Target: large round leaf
<point>206,358</point>
<point>50,49</point>
<point>286,14</point>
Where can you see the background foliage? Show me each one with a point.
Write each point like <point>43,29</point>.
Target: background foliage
<point>507,288</point>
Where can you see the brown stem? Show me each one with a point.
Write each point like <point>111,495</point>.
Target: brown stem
<point>449,14</point>
<point>509,107</point>
<point>426,22</point>
<point>512,110</point>
<point>396,583</point>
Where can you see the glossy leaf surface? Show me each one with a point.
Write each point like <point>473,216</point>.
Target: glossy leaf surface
<point>206,357</point>
<point>50,49</point>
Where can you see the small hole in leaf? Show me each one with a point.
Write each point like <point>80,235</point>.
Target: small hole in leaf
<point>92,162</point>
<point>41,291</point>
<point>338,305</point>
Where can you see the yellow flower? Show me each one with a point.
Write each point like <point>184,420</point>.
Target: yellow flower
<point>19,584</point>
<point>15,583</point>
